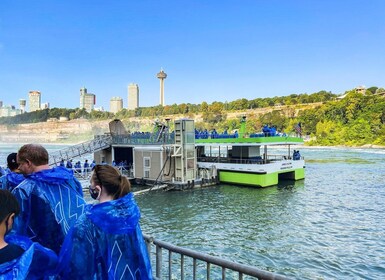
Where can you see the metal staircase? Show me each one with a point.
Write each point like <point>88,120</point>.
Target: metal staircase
<point>100,142</point>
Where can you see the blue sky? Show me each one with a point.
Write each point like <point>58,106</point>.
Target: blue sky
<point>211,50</point>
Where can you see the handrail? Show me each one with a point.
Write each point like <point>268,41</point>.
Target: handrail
<point>210,260</point>
<point>100,142</point>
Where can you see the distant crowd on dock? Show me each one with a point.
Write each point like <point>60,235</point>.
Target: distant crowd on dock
<point>213,134</point>
<point>267,131</point>
<point>87,167</point>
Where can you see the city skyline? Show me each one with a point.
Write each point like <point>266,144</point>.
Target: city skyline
<point>212,51</point>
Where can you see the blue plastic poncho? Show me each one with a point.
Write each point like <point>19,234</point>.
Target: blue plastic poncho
<point>106,243</point>
<point>36,262</point>
<point>51,201</point>
<point>11,180</point>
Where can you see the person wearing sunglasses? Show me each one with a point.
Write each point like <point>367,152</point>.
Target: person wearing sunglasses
<point>106,242</point>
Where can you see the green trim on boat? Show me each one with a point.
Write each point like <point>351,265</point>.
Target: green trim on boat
<point>256,140</point>
<point>261,180</point>
<point>299,174</point>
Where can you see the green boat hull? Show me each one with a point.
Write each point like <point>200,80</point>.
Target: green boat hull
<point>259,179</point>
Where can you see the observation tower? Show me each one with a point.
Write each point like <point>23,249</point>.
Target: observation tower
<point>161,76</point>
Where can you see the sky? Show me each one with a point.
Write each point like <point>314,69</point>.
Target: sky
<point>211,50</point>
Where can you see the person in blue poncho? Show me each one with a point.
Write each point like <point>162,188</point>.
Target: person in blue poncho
<point>107,242</point>
<point>51,199</point>
<point>10,180</point>
<point>20,258</point>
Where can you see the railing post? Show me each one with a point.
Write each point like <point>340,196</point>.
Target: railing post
<point>158,262</point>
<point>194,268</point>
<point>169,265</point>
<point>208,271</point>
<point>181,267</point>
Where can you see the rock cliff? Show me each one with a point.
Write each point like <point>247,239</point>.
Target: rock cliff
<point>53,132</point>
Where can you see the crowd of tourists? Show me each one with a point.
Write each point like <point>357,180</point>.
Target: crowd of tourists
<point>48,231</point>
<point>87,167</point>
<point>213,134</point>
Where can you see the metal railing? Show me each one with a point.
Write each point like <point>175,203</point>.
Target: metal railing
<point>142,140</point>
<point>100,142</point>
<point>199,264</point>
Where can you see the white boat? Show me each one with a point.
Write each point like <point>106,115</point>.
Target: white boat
<point>252,161</point>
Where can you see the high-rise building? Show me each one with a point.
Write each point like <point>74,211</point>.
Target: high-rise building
<point>22,103</point>
<point>44,105</point>
<point>1,104</point>
<point>116,104</point>
<point>87,100</point>
<point>34,100</point>
<point>161,76</point>
<point>9,111</point>
<point>133,96</point>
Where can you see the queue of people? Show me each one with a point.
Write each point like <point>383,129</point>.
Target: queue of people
<point>48,230</point>
<point>87,167</point>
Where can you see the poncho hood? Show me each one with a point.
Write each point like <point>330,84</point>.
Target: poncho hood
<point>54,175</point>
<point>35,262</point>
<point>118,216</point>
<point>15,178</point>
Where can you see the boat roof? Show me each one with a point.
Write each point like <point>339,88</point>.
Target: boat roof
<point>256,141</point>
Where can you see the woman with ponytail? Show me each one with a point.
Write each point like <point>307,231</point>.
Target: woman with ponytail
<point>106,242</point>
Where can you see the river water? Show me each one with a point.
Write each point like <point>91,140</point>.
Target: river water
<point>328,226</point>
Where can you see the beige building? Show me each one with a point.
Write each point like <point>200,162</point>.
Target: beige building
<point>34,100</point>
<point>9,111</point>
<point>116,104</point>
<point>133,96</point>
<point>87,100</point>
<point>22,103</point>
<point>44,105</point>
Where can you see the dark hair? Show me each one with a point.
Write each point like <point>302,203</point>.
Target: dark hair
<point>8,204</point>
<point>112,181</point>
<point>12,161</point>
<point>35,153</point>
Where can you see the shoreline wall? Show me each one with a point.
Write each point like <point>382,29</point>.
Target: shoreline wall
<point>51,132</point>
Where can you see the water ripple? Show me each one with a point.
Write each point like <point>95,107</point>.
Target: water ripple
<point>329,226</point>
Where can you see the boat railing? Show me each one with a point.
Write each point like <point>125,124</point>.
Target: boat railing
<point>127,170</point>
<point>182,263</point>
<point>255,160</point>
<point>145,139</point>
<point>231,160</point>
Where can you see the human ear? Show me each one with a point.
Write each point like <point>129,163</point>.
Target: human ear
<point>99,191</point>
<point>10,220</point>
<point>98,188</point>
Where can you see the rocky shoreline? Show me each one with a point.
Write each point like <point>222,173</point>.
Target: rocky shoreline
<point>52,132</point>
<point>81,130</point>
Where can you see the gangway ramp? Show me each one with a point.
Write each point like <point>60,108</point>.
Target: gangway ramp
<point>100,142</point>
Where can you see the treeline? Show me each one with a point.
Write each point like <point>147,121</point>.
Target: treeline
<point>354,120</point>
<point>175,109</point>
<point>55,113</point>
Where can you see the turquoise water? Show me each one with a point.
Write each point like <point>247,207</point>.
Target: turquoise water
<point>328,226</point>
